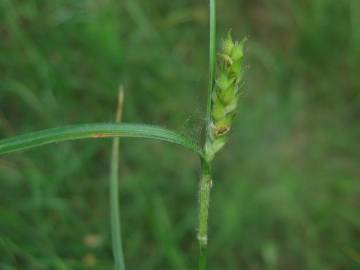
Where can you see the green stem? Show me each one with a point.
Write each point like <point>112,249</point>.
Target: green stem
<point>204,202</point>
<point>115,209</point>
<point>118,252</point>
<point>205,179</point>
<point>212,57</point>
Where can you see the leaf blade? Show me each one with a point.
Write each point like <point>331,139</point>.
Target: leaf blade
<point>97,130</point>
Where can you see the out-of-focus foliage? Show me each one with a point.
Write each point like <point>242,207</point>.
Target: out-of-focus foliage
<point>286,192</point>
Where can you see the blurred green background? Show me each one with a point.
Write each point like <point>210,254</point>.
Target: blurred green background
<point>287,192</point>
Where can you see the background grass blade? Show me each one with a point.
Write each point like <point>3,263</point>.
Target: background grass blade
<point>94,131</point>
<point>114,193</point>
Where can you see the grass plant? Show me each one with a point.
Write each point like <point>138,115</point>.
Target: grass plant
<point>286,191</point>
<point>221,105</point>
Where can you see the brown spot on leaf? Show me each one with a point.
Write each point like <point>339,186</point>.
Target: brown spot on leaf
<point>100,135</point>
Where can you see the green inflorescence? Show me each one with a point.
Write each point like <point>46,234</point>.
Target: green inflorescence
<point>225,96</point>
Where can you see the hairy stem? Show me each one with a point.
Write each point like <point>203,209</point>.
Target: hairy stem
<point>204,202</point>
<point>205,179</point>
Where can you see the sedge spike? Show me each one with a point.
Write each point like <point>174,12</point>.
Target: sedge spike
<point>225,96</point>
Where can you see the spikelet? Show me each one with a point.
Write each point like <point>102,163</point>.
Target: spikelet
<point>225,96</point>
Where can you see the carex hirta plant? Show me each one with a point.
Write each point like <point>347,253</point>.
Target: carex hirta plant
<point>225,77</point>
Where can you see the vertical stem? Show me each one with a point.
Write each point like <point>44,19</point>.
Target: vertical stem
<point>204,202</point>
<point>205,179</point>
<point>114,195</point>
<point>212,56</point>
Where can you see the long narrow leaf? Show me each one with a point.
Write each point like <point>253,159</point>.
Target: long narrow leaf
<point>95,131</point>
<point>118,253</point>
